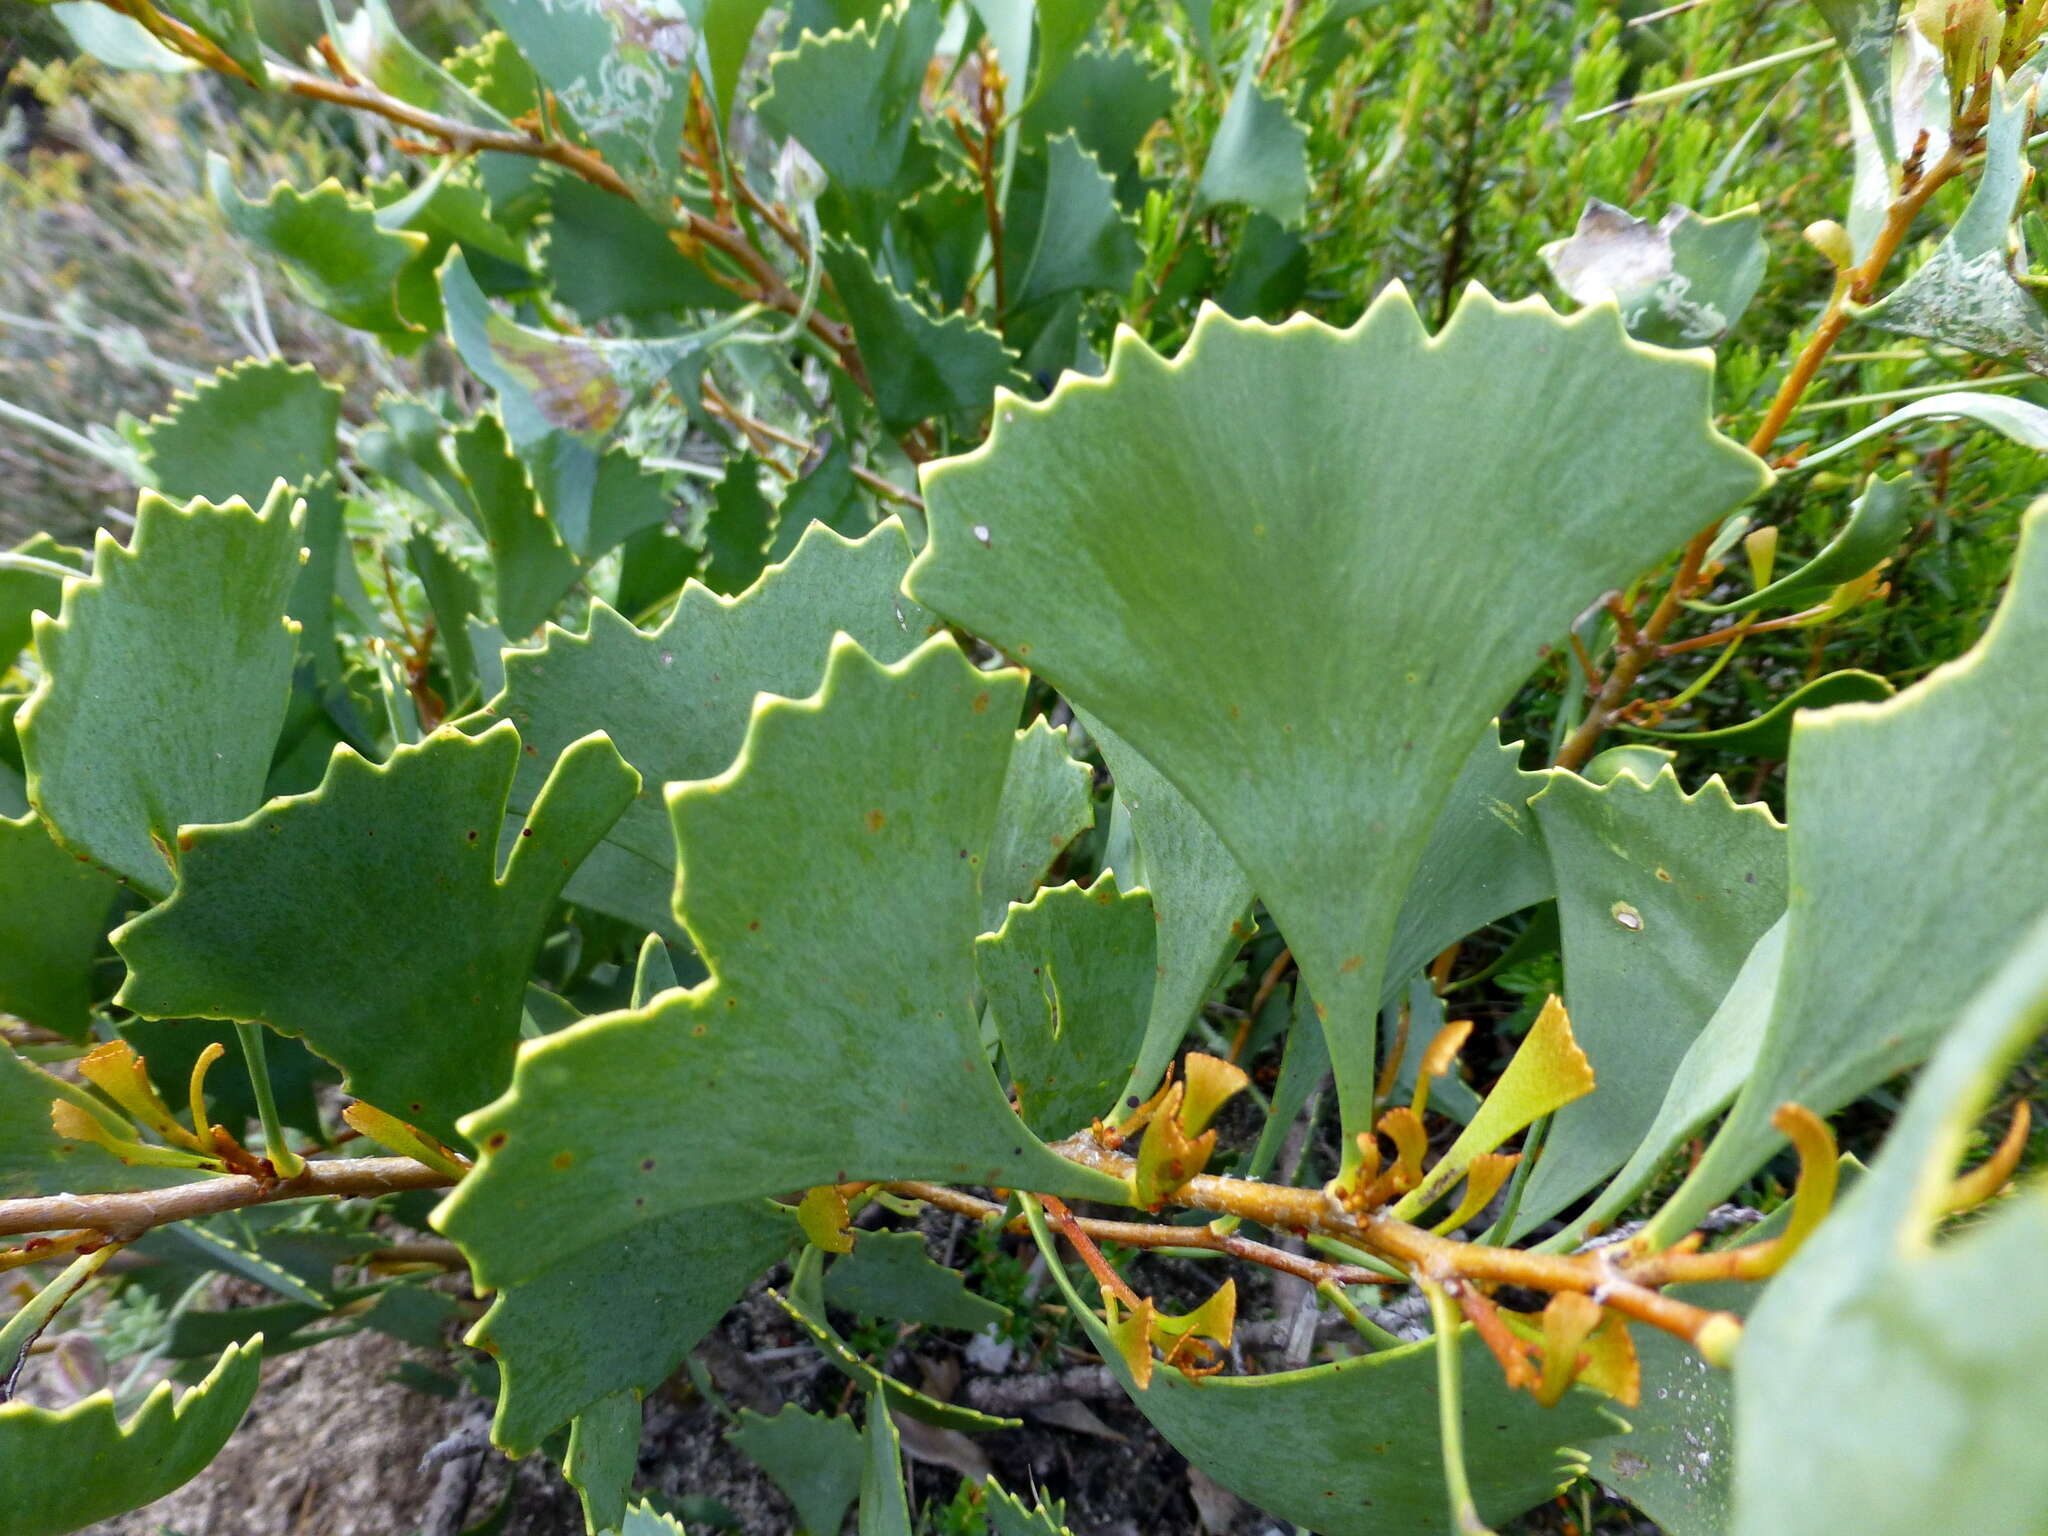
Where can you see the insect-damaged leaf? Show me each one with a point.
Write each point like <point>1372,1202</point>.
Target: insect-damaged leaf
<point>793,1065</point>
<point>1220,557</point>
<point>1682,282</point>
<point>1967,293</point>
<point>621,71</point>
<point>369,916</point>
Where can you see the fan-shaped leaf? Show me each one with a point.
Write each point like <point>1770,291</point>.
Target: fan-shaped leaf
<point>1282,473</point>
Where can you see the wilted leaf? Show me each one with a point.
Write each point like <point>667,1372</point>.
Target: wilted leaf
<point>1682,282</point>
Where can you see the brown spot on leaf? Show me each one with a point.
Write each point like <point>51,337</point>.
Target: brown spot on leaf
<point>562,1160</point>
<point>875,820</point>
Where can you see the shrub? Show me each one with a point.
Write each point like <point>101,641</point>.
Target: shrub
<point>832,668</point>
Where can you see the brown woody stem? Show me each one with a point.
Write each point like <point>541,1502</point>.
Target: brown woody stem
<point>1609,1277</point>
<point>1858,284</point>
<point>127,1216</point>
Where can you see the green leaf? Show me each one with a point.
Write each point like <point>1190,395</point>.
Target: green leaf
<point>35,1160</point>
<point>548,381</point>
<point>655,971</point>
<point>1063,25</point>
<point>1046,805</point>
<point>829,494</point>
<point>620,1315</point>
<point>850,1364</point>
<point>789,1067</point>
<point>1259,157</point>
<point>890,1275</point>
<point>1682,282</point>
<point>1711,1073</point>
<point>1084,242</point>
<point>1108,100</point>
<point>165,683</point>
<point>1923,1351</point>
<point>621,70</point>
<point>604,1457</point>
<point>1967,294</point>
<point>66,1469</point>
<point>273,915</point>
<point>2021,420</point>
<point>1873,962</point>
<point>1769,736</point>
<point>675,699</point>
<point>339,258</point>
<point>54,914</point>
<point>531,567</point>
<point>378,50</point>
<point>1201,899</point>
<point>1661,896</point>
<point>190,1242</point>
<point>1877,525</point>
<point>1008,1516</point>
<point>1484,859</point>
<point>23,592</point>
<point>1275,472</point>
<point>1351,1448</point>
<point>920,367</point>
<point>318,673</point>
<point>738,528</point>
<point>241,430</point>
<point>606,257</point>
<point>228,25</point>
<point>118,41</point>
<point>884,1503</point>
<point>851,99</point>
<point>1868,31</point>
<point>453,597</point>
<point>728,27</point>
<point>1069,983</point>
<point>643,1519</point>
<point>815,1461</point>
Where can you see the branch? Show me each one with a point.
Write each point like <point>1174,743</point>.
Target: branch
<point>1613,1278</point>
<point>459,137</point>
<point>126,1216</point>
<point>1856,284</point>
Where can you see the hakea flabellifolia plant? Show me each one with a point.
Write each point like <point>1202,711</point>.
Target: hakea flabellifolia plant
<point>668,941</point>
